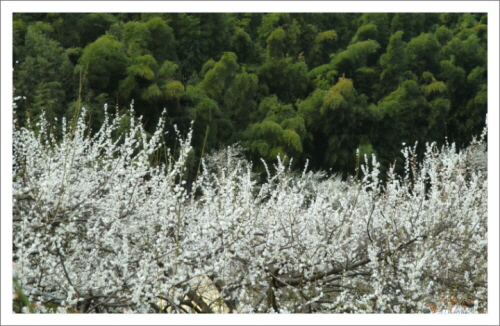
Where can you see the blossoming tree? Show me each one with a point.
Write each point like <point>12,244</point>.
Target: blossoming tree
<point>98,228</point>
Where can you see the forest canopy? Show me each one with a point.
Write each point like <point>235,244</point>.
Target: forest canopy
<point>320,87</point>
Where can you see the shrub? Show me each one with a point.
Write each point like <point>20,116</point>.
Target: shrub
<point>100,229</point>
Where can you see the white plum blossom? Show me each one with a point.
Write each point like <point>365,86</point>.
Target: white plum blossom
<point>98,228</point>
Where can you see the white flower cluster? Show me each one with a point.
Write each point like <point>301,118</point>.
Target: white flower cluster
<point>17,98</point>
<point>101,229</point>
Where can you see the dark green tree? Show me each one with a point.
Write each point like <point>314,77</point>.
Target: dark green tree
<point>199,37</point>
<point>44,75</point>
<point>280,133</point>
<point>436,94</point>
<point>336,121</point>
<point>402,117</point>
<point>324,45</point>
<point>373,26</point>
<point>91,26</point>
<point>162,46</point>
<point>209,103</point>
<point>469,53</point>
<point>243,46</point>
<point>393,63</point>
<point>354,57</point>
<point>105,63</point>
<point>423,53</point>
<point>240,102</point>
<point>411,24</point>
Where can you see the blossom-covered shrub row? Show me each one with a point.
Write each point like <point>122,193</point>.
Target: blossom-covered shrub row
<point>98,228</point>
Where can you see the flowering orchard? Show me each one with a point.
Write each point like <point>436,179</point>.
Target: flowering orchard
<point>97,228</point>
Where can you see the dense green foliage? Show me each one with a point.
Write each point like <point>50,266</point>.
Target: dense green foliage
<point>308,86</point>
